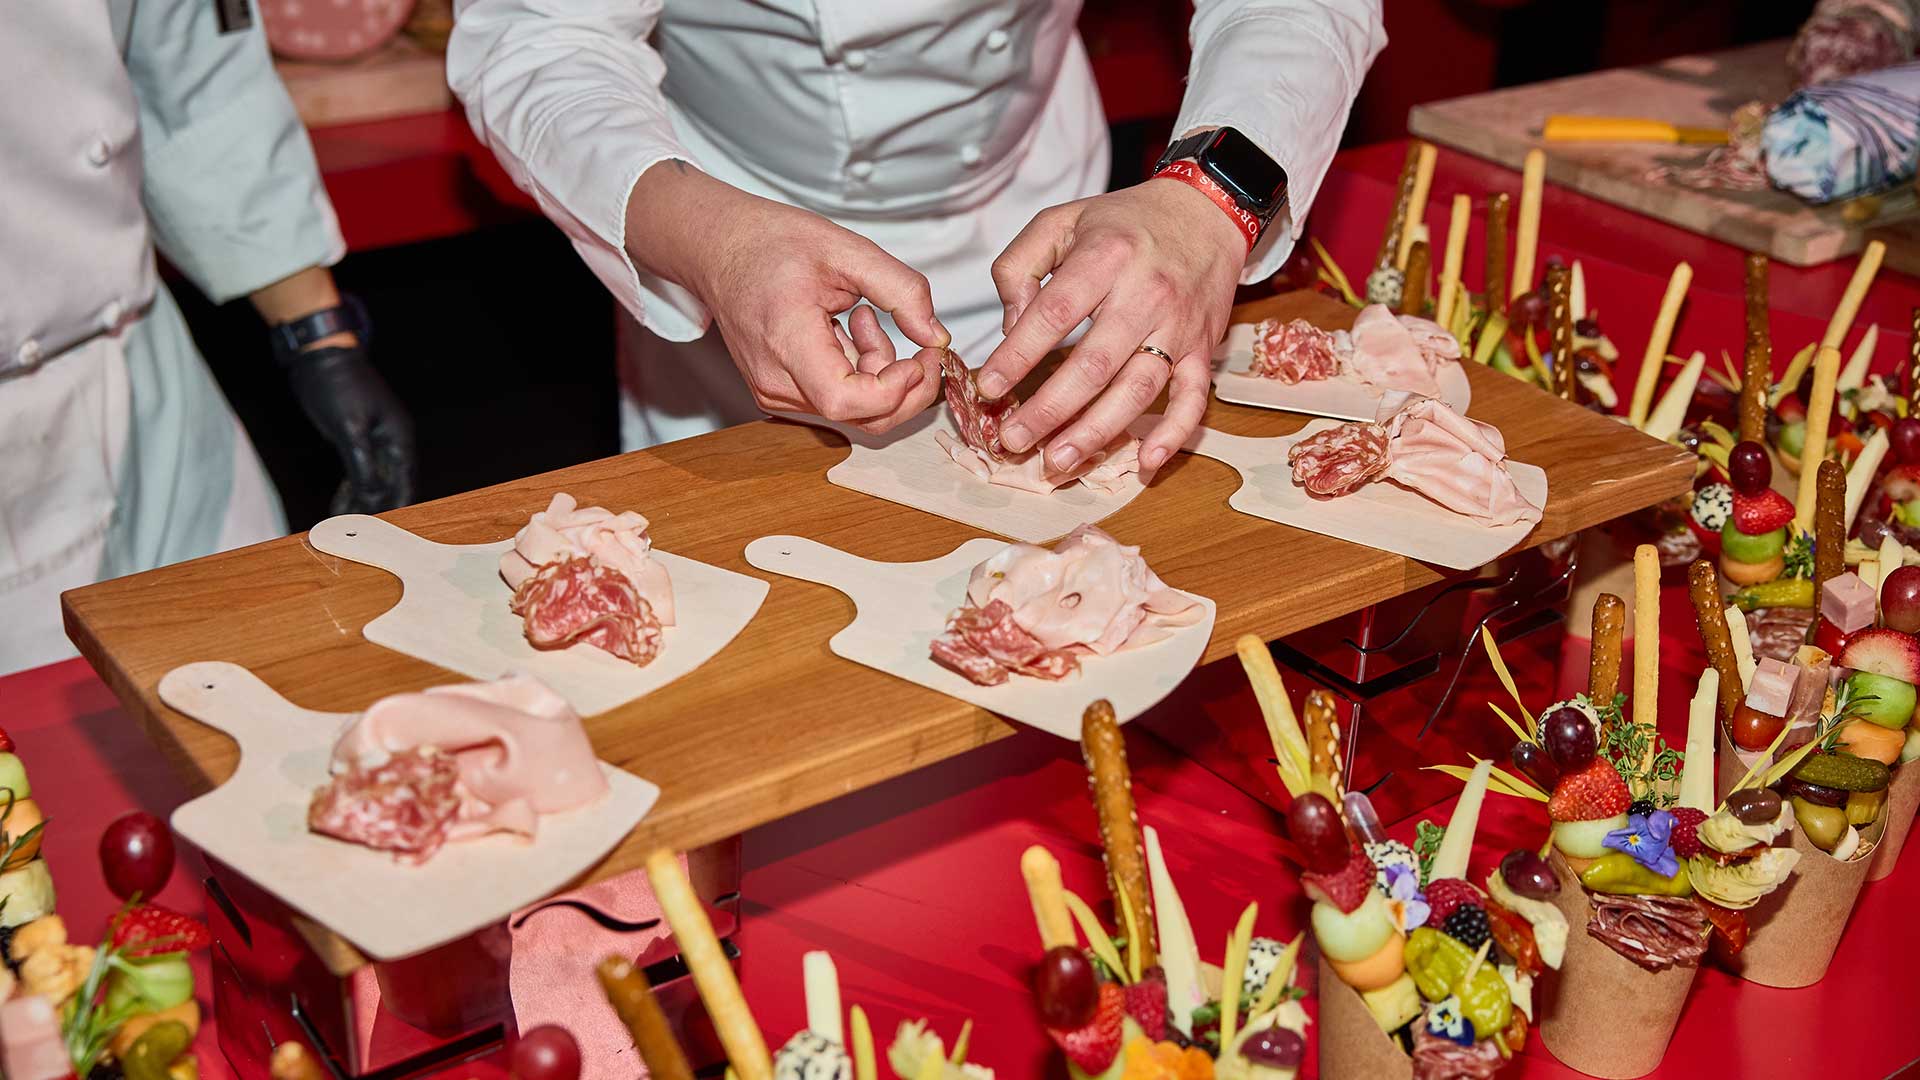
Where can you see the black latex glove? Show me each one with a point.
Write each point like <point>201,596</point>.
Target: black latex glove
<point>355,410</point>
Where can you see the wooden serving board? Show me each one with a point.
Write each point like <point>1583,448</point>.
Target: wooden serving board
<point>899,607</point>
<point>453,612</point>
<point>1342,397</point>
<point>256,822</point>
<point>1695,91</point>
<point>1379,515</point>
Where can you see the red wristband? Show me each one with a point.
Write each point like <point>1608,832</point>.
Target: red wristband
<point>1189,173</point>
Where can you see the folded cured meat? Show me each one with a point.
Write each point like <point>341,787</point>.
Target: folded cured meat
<point>1391,352</point>
<point>1037,612</point>
<point>1422,445</point>
<point>587,574</point>
<point>1437,1058</point>
<point>977,447</point>
<point>456,762</point>
<point>1294,351</point>
<point>1655,932</point>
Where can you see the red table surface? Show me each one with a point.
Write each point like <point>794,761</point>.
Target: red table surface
<point>913,886</point>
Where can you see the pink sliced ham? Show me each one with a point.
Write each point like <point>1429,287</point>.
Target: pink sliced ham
<point>1104,472</point>
<point>1398,352</point>
<point>1459,463</point>
<point>986,646</point>
<point>617,542</point>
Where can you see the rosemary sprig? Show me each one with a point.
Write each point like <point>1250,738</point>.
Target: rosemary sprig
<point>87,1024</point>
<point>1847,704</point>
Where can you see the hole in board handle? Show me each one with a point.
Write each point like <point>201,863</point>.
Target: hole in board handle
<point>352,534</point>
<point>786,553</point>
<point>209,686</point>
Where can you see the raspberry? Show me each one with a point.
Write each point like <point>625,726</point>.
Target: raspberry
<point>1467,925</point>
<point>1685,840</point>
<point>1447,894</point>
<point>1147,1003</point>
<point>1345,888</point>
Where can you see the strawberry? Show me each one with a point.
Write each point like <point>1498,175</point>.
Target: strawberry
<point>149,930</point>
<point>1346,887</point>
<point>1685,840</point>
<point>1593,793</point>
<point>6,742</point>
<point>1093,1046</point>
<point>1759,514</point>
<point>1446,894</point>
<point>1147,1003</point>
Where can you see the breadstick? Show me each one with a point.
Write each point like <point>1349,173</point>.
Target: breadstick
<point>1455,254</point>
<point>1703,587</point>
<point>1105,750</point>
<point>1402,202</point>
<point>1646,642</point>
<point>1857,286</point>
<point>1323,745</point>
<point>1656,355</point>
<point>1560,318</point>
<point>1413,295</point>
<point>633,999</point>
<point>1609,628</point>
<point>1498,207</point>
<point>1826,368</point>
<point>1829,526</point>
<point>1416,204</point>
<point>712,975</point>
<point>292,1061</point>
<point>1042,873</point>
<point>1533,176</point>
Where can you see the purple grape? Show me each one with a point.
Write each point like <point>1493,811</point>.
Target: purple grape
<point>1533,761</point>
<point>1528,875</point>
<point>1316,827</point>
<point>1569,736</point>
<point>1749,468</point>
<point>1275,1047</point>
<point>1754,806</point>
<point>1064,987</point>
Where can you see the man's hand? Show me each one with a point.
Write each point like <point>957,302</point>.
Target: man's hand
<point>356,411</point>
<point>775,278</point>
<point>1155,264</point>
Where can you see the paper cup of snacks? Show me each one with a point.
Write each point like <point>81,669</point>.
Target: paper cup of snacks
<point>1903,801</point>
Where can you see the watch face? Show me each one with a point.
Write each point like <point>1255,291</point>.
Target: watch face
<point>1256,180</point>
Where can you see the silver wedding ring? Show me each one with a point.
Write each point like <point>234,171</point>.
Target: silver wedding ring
<point>1156,352</point>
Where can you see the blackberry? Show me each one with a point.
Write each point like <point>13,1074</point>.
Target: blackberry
<point>1467,925</point>
<point>1643,807</point>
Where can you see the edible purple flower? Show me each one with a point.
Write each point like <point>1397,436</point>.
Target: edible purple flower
<point>1405,900</point>
<point>1646,838</point>
<point>1446,1019</point>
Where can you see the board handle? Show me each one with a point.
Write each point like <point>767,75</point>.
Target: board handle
<point>366,539</point>
<point>809,560</point>
<point>228,697</point>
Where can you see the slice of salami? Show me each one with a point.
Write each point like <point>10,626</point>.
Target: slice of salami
<point>404,805</point>
<point>1295,351</point>
<point>573,600</point>
<point>986,645</point>
<point>1340,459</point>
<point>977,418</point>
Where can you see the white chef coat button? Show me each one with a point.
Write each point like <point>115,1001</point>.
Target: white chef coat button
<point>99,152</point>
<point>997,40</point>
<point>27,355</point>
<point>970,154</point>
<point>861,169</point>
<point>855,59</point>
<point>111,315</point>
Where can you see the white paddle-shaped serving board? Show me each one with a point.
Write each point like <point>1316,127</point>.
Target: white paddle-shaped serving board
<point>453,612</point>
<point>256,822</point>
<point>907,466</point>
<point>1379,515</point>
<point>902,607</point>
<point>1342,397</point>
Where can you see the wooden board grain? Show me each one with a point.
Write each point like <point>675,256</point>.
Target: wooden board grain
<point>1694,91</point>
<point>775,722</point>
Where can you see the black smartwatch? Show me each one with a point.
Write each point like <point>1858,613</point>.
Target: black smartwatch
<point>347,317</point>
<point>1255,182</point>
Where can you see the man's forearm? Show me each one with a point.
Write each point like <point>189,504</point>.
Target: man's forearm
<point>300,295</point>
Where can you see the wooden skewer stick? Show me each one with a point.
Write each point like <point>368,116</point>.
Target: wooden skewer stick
<point>1533,177</point>
<point>1413,295</point>
<point>1560,318</point>
<point>1402,203</point>
<point>1862,280</point>
<point>1417,203</point>
<point>1456,252</point>
<point>1656,355</point>
<point>1499,205</point>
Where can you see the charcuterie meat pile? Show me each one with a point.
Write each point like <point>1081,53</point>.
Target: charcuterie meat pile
<point>1294,351</point>
<point>986,645</point>
<point>977,448</point>
<point>1422,445</point>
<point>1385,352</point>
<point>1340,459</point>
<point>588,576</point>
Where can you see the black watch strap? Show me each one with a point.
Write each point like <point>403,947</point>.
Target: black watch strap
<point>347,317</point>
<point>1182,149</point>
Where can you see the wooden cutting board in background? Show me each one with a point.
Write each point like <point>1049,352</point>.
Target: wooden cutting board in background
<point>1695,91</point>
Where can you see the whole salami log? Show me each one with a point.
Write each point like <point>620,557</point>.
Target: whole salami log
<point>1340,459</point>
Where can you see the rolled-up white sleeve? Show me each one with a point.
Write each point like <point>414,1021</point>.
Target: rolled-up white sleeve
<point>1284,73</point>
<point>566,93</point>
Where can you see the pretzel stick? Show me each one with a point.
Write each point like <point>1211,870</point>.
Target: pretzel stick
<point>1703,588</point>
<point>1456,252</point>
<point>1416,204</point>
<point>1609,627</point>
<point>1323,745</point>
<point>1755,381</point>
<point>1042,873</point>
<point>1913,359</point>
<point>1533,176</point>
<point>1826,368</point>
<point>1105,750</point>
<point>1413,295</point>
<point>1646,644</point>
<point>1402,202</point>
<point>1857,286</point>
<point>1498,207</point>
<point>633,999</point>
<point>1829,526</point>
<point>1656,355</point>
<point>1560,318</point>
<point>712,975</point>
<point>1756,296</point>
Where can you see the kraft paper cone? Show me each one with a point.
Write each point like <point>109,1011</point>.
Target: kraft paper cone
<point>1903,800</point>
<point>1352,1046</point>
<point>1601,1013</point>
<point>1727,767</point>
<point>1797,926</point>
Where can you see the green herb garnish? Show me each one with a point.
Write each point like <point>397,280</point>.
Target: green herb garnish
<point>1799,558</point>
<point>1426,844</point>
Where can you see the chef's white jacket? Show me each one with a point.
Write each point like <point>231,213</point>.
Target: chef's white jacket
<point>897,119</point>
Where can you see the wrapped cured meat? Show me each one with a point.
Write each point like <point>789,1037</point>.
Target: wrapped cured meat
<point>1777,633</point>
<point>1037,612</point>
<point>455,762</point>
<point>1293,351</point>
<point>1398,352</point>
<point>978,418</point>
<point>1459,463</point>
<point>574,601</point>
<point>1656,932</point>
<point>1437,1058</point>
<point>977,448</point>
<point>617,542</point>
<point>1338,460</point>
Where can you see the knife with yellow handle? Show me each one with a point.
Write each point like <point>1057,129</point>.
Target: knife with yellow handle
<point>1625,129</point>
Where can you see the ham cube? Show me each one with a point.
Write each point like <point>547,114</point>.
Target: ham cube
<point>1771,689</point>
<point>1847,602</point>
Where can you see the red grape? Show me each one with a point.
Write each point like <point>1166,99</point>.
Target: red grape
<point>1900,600</point>
<point>1904,440</point>
<point>1749,467</point>
<point>1827,636</point>
<point>1528,875</point>
<point>136,854</point>
<point>1315,826</point>
<point>548,1052</point>
<point>1275,1047</point>
<point>1532,760</point>
<point>1064,987</point>
<point>1528,309</point>
<point>1752,729</point>
<point>1569,737</point>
